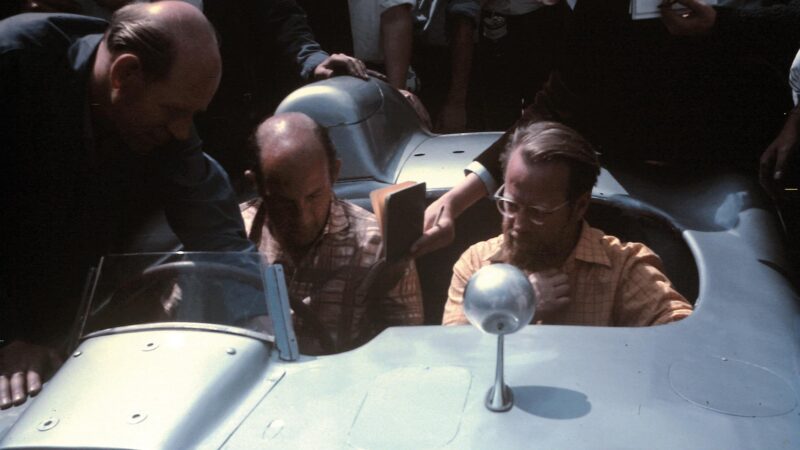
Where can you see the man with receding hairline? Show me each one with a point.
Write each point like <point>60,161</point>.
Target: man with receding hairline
<point>159,66</point>
<point>98,136</point>
<point>581,276</point>
<point>330,248</point>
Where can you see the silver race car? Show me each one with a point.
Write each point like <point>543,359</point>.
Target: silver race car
<point>175,350</point>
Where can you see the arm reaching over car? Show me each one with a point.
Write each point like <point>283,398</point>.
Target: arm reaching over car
<point>440,216</point>
<point>340,64</point>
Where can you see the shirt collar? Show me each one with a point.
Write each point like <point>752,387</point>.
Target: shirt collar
<point>499,255</point>
<point>588,249</point>
<point>81,54</point>
<point>337,218</point>
<point>336,223</point>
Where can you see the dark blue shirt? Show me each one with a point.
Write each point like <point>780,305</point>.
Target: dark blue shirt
<point>64,206</point>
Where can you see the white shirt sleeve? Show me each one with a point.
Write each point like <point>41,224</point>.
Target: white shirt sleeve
<point>794,79</point>
<point>488,180</point>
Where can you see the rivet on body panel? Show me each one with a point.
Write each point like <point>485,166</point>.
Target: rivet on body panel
<point>136,417</point>
<point>274,427</point>
<point>149,346</point>
<point>47,424</point>
<point>77,353</point>
<point>230,351</point>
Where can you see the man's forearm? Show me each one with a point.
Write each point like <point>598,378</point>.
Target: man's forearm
<point>203,212</point>
<point>396,42</point>
<point>465,194</point>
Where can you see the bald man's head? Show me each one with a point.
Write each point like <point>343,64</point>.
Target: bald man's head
<point>290,140</point>
<point>158,66</point>
<point>159,33</point>
<point>296,169</point>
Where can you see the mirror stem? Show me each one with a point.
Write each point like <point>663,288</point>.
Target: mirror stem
<point>500,398</point>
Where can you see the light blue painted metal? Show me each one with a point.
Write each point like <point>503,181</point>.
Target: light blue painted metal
<point>411,407</point>
<point>575,387</point>
<point>279,312</point>
<point>149,387</point>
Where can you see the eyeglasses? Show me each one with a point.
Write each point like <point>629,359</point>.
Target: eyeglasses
<point>511,209</point>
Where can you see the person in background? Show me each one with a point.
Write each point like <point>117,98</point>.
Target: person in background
<point>383,37</point>
<point>518,42</point>
<point>268,50</point>
<point>696,87</point>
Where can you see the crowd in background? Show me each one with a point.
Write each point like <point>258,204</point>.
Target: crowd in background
<point>475,65</point>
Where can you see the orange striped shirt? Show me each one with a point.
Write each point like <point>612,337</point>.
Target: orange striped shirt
<point>611,283</point>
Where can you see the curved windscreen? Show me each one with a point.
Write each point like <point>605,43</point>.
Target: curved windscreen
<point>211,288</point>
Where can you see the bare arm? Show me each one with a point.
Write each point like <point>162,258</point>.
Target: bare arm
<point>396,42</point>
<point>440,233</point>
<point>775,158</point>
<point>453,117</point>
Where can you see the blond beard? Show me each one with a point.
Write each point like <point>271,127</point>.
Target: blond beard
<point>533,255</point>
<point>530,257</point>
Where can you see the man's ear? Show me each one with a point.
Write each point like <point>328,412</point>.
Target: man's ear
<point>337,166</point>
<point>582,204</point>
<point>126,73</point>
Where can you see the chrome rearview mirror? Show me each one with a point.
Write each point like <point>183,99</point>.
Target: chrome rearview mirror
<point>499,300</point>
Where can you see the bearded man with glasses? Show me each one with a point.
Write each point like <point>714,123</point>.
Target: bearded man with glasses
<point>581,276</point>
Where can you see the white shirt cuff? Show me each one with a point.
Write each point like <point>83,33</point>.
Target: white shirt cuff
<point>488,180</point>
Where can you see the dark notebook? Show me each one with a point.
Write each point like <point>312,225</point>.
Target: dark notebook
<point>400,210</point>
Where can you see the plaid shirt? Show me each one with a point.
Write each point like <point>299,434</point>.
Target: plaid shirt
<point>337,277</point>
<point>611,283</point>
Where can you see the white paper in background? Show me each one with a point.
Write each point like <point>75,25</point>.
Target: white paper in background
<point>648,9</point>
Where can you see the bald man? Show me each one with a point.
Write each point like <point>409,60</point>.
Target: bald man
<point>330,248</point>
<point>97,136</point>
